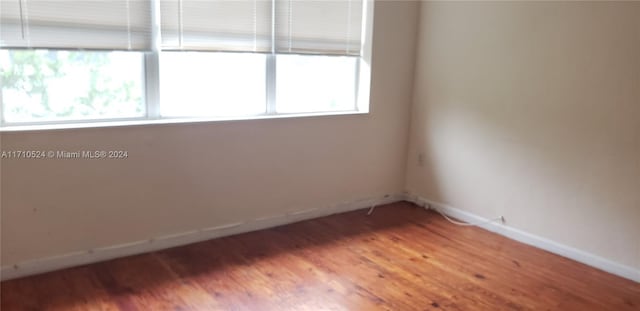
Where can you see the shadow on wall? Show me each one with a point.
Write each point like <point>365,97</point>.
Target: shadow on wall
<point>530,110</point>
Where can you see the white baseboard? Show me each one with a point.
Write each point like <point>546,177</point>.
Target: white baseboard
<point>533,240</point>
<point>138,247</point>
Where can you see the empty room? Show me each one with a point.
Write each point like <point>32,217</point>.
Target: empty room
<point>319,155</point>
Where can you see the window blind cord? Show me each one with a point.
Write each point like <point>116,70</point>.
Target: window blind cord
<point>21,18</point>
<point>24,21</point>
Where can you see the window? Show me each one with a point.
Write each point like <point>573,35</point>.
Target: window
<point>331,87</point>
<point>57,85</point>
<point>64,61</point>
<point>219,84</point>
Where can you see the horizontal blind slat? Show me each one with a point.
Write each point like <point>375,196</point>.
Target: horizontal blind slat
<point>73,24</point>
<point>223,25</point>
<point>319,26</point>
<point>302,26</point>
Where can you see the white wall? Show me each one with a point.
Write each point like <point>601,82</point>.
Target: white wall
<point>531,110</point>
<point>522,109</point>
<point>181,177</point>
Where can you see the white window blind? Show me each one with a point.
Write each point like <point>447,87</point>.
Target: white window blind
<point>222,25</point>
<point>318,26</point>
<point>327,27</point>
<point>76,24</point>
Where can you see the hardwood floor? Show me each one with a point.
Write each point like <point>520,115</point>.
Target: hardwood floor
<point>400,258</point>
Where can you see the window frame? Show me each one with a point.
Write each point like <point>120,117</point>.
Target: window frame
<point>151,85</point>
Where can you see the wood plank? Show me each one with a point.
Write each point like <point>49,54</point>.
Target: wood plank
<point>399,258</point>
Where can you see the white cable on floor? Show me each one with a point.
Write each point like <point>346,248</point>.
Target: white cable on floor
<point>466,224</point>
<point>371,210</point>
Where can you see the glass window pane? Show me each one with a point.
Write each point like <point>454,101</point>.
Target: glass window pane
<point>53,85</point>
<point>212,84</point>
<point>307,83</point>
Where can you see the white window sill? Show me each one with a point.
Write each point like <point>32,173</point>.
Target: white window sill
<point>168,120</point>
